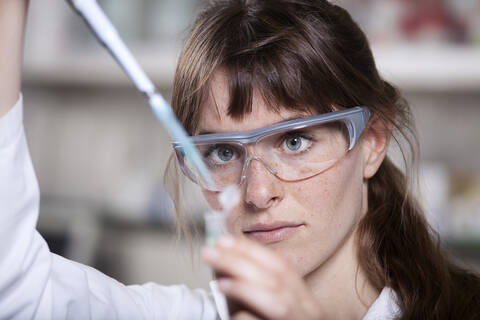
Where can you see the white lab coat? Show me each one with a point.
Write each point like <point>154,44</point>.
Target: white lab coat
<point>37,284</point>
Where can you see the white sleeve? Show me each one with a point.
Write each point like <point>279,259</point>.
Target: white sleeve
<point>37,284</point>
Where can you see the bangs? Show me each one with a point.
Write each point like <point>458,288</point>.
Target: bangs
<point>290,65</point>
<point>296,57</point>
<point>280,81</point>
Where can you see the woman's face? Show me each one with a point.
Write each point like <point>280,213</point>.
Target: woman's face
<point>307,222</point>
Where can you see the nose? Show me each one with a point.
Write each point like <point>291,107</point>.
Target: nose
<point>262,188</point>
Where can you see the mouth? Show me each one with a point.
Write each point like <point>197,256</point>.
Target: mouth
<point>271,233</point>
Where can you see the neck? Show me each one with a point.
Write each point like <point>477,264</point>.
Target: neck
<point>342,289</point>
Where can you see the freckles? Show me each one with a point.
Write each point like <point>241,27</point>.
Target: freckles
<point>325,197</point>
<point>312,194</point>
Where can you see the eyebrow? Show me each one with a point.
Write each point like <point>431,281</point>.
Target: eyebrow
<point>201,132</point>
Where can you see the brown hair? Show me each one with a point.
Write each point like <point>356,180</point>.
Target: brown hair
<point>311,55</point>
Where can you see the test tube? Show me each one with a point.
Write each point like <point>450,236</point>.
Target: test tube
<point>215,221</point>
<point>214,226</point>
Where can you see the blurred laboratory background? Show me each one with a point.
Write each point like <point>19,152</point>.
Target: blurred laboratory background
<point>100,155</point>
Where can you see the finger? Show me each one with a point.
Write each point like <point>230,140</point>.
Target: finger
<point>279,304</point>
<point>259,289</point>
<point>244,315</point>
<point>254,251</point>
<point>236,265</point>
<point>273,266</point>
<point>265,303</point>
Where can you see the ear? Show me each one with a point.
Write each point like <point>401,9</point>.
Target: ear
<point>375,142</point>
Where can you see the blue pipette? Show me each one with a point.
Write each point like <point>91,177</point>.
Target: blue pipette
<point>106,33</point>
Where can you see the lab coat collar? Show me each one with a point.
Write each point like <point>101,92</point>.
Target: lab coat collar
<point>385,307</point>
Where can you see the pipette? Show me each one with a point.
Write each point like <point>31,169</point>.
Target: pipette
<point>106,33</point>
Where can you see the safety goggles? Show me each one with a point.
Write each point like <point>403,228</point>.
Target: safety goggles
<point>292,150</point>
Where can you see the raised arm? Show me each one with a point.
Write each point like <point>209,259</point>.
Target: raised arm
<point>12,26</point>
<point>35,283</point>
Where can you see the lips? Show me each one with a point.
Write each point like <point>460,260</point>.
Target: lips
<point>270,233</point>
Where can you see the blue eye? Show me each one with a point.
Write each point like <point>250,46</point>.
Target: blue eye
<point>225,153</point>
<point>220,154</point>
<point>293,143</point>
<point>296,143</point>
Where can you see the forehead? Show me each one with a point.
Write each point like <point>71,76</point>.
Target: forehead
<point>214,110</point>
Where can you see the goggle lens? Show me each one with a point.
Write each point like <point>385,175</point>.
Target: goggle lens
<point>290,155</point>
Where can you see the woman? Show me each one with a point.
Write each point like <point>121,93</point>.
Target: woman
<point>350,231</point>
<point>284,99</point>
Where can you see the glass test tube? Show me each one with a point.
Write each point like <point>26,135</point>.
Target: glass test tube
<point>214,226</point>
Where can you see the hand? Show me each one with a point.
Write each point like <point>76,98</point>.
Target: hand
<point>259,281</point>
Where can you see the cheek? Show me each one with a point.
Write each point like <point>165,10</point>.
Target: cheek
<point>212,199</point>
<point>332,204</point>
<point>333,194</point>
